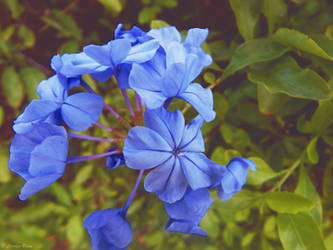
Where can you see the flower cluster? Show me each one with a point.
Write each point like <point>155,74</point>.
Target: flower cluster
<point>158,66</point>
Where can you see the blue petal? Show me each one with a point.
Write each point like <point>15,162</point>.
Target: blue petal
<point>167,181</point>
<point>195,37</point>
<point>103,75</point>
<point>49,157</point>
<point>142,52</point>
<point>184,227</point>
<point>123,75</point>
<point>172,81</point>
<point>201,99</point>
<point>52,89</point>
<point>223,195</point>
<point>36,184</point>
<point>193,68</point>
<point>144,148</point>
<point>165,35</point>
<point>192,140</point>
<point>36,111</point>
<point>81,110</point>
<point>169,125</point>
<point>118,232</point>
<point>119,50</point>
<point>147,85</point>
<point>19,164</point>
<point>100,53</point>
<point>175,53</point>
<point>192,207</point>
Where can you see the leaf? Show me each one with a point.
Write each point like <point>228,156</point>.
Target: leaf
<point>263,173</point>
<point>274,11</point>
<point>269,229</point>
<point>299,231</point>
<point>148,13</point>
<point>27,36</point>
<point>157,24</point>
<point>285,202</point>
<point>2,114</point>
<point>324,42</point>
<point>15,8</point>
<point>222,156</point>
<point>61,193</point>
<point>234,136</point>
<point>242,200</point>
<point>211,224</point>
<point>209,77</point>
<point>12,87</point>
<point>247,15</point>
<point>4,171</point>
<point>311,151</point>
<point>300,41</point>
<point>269,103</point>
<point>285,76</point>
<point>74,231</point>
<point>114,6</point>
<point>253,51</point>
<point>306,188</point>
<point>83,174</point>
<point>31,77</point>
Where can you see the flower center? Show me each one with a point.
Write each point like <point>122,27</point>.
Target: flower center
<point>176,151</point>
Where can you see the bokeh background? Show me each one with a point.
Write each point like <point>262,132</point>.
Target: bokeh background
<point>273,103</point>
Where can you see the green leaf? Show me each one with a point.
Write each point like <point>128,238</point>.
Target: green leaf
<point>209,77</point>
<point>253,51</point>
<point>269,229</point>
<point>114,6</point>
<point>74,231</point>
<point>157,24</point>
<point>148,13</point>
<point>211,224</point>
<point>247,16</point>
<point>297,40</point>
<point>274,11</point>
<point>4,171</point>
<point>306,188</point>
<point>248,238</point>
<point>299,231</point>
<point>269,103</point>
<point>27,36</point>
<point>7,33</point>
<point>83,174</point>
<point>324,42</point>
<point>311,151</point>
<point>285,76</point>
<point>12,87</point>
<point>61,193</point>
<point>15,8</point>
<point>285,202</point>
<point>234,136</point>
<point>263,173</point>
<point>242,200</point>
<point>222,156</point>
<point>31,77</point>
<point>2,114</point>
<point>71,46</point>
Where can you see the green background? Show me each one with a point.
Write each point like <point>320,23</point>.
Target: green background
<point>272,78</point>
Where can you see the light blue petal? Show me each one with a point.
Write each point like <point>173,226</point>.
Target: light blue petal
<point>103,75</point>
<point>100,218</point>
<point>36,184</point>
<point>144,148</point>
<point>19,164</point>
<point>192,140</point>
<point>81,110</point>
<point>195,37</point>
<point>201,99</point>
<point>169,125</point>
<point>193,69</point>
<point>36,111</point>
<point>119,50</point>
<point>167,181</point>
<point>172,81</point>
<point>223,195</point>
<point>52,89</point>
<point>142,52</point>
<point>118,232</point>
<point>49,157</point>
<point>184,227</point>
<point>165,35</point>
<point>175,53</point>
<point>99,53</point>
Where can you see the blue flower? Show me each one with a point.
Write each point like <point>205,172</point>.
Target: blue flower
<point>169,75</point>
<point>108,229</point>
<point>176,152</point>
<point>134,35</point>
<point>39,157</point>
<point>186,214</point>
<point>79,111</point>
<point>114,161</point>
<point>235,177</point>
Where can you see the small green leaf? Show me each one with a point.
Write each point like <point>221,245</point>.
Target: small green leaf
<point>274,11</point>
<point>209,77</point>
<point>61,193</point>
<point>253,51</point>
<point>71,46</point>
<point>74,231</point>
<point>12,87</point>
<point>306,188</point>
<point>2,114</point>
<point>211,224</point>
<point>263,173</point>
<point>83,174</point>
<point>234,136</point>
<point>222,156</point>
<point>242,200</point>
<point>15,7</point>
<point>269,103</point>
<point>7,33</point>
<point>285,202</point>
<point>157,24</point>
<point>248,238</point>
<point>31,77</point>
<point>311,151</point>
<point>285,76</point>
<point>27,36</point>
<point>300,41</point>
<point>269,230</point>
<point>247,16</point>
<point>148,13</point>
<point>114,6</point>
<point>4,171</point>
<point>299,231</point>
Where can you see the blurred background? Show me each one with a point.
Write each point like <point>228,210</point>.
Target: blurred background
<point>275,129</point>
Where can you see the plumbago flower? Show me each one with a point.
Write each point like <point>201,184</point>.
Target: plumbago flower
<point>158,67</point>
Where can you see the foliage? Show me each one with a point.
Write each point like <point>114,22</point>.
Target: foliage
<point>273,71</point>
